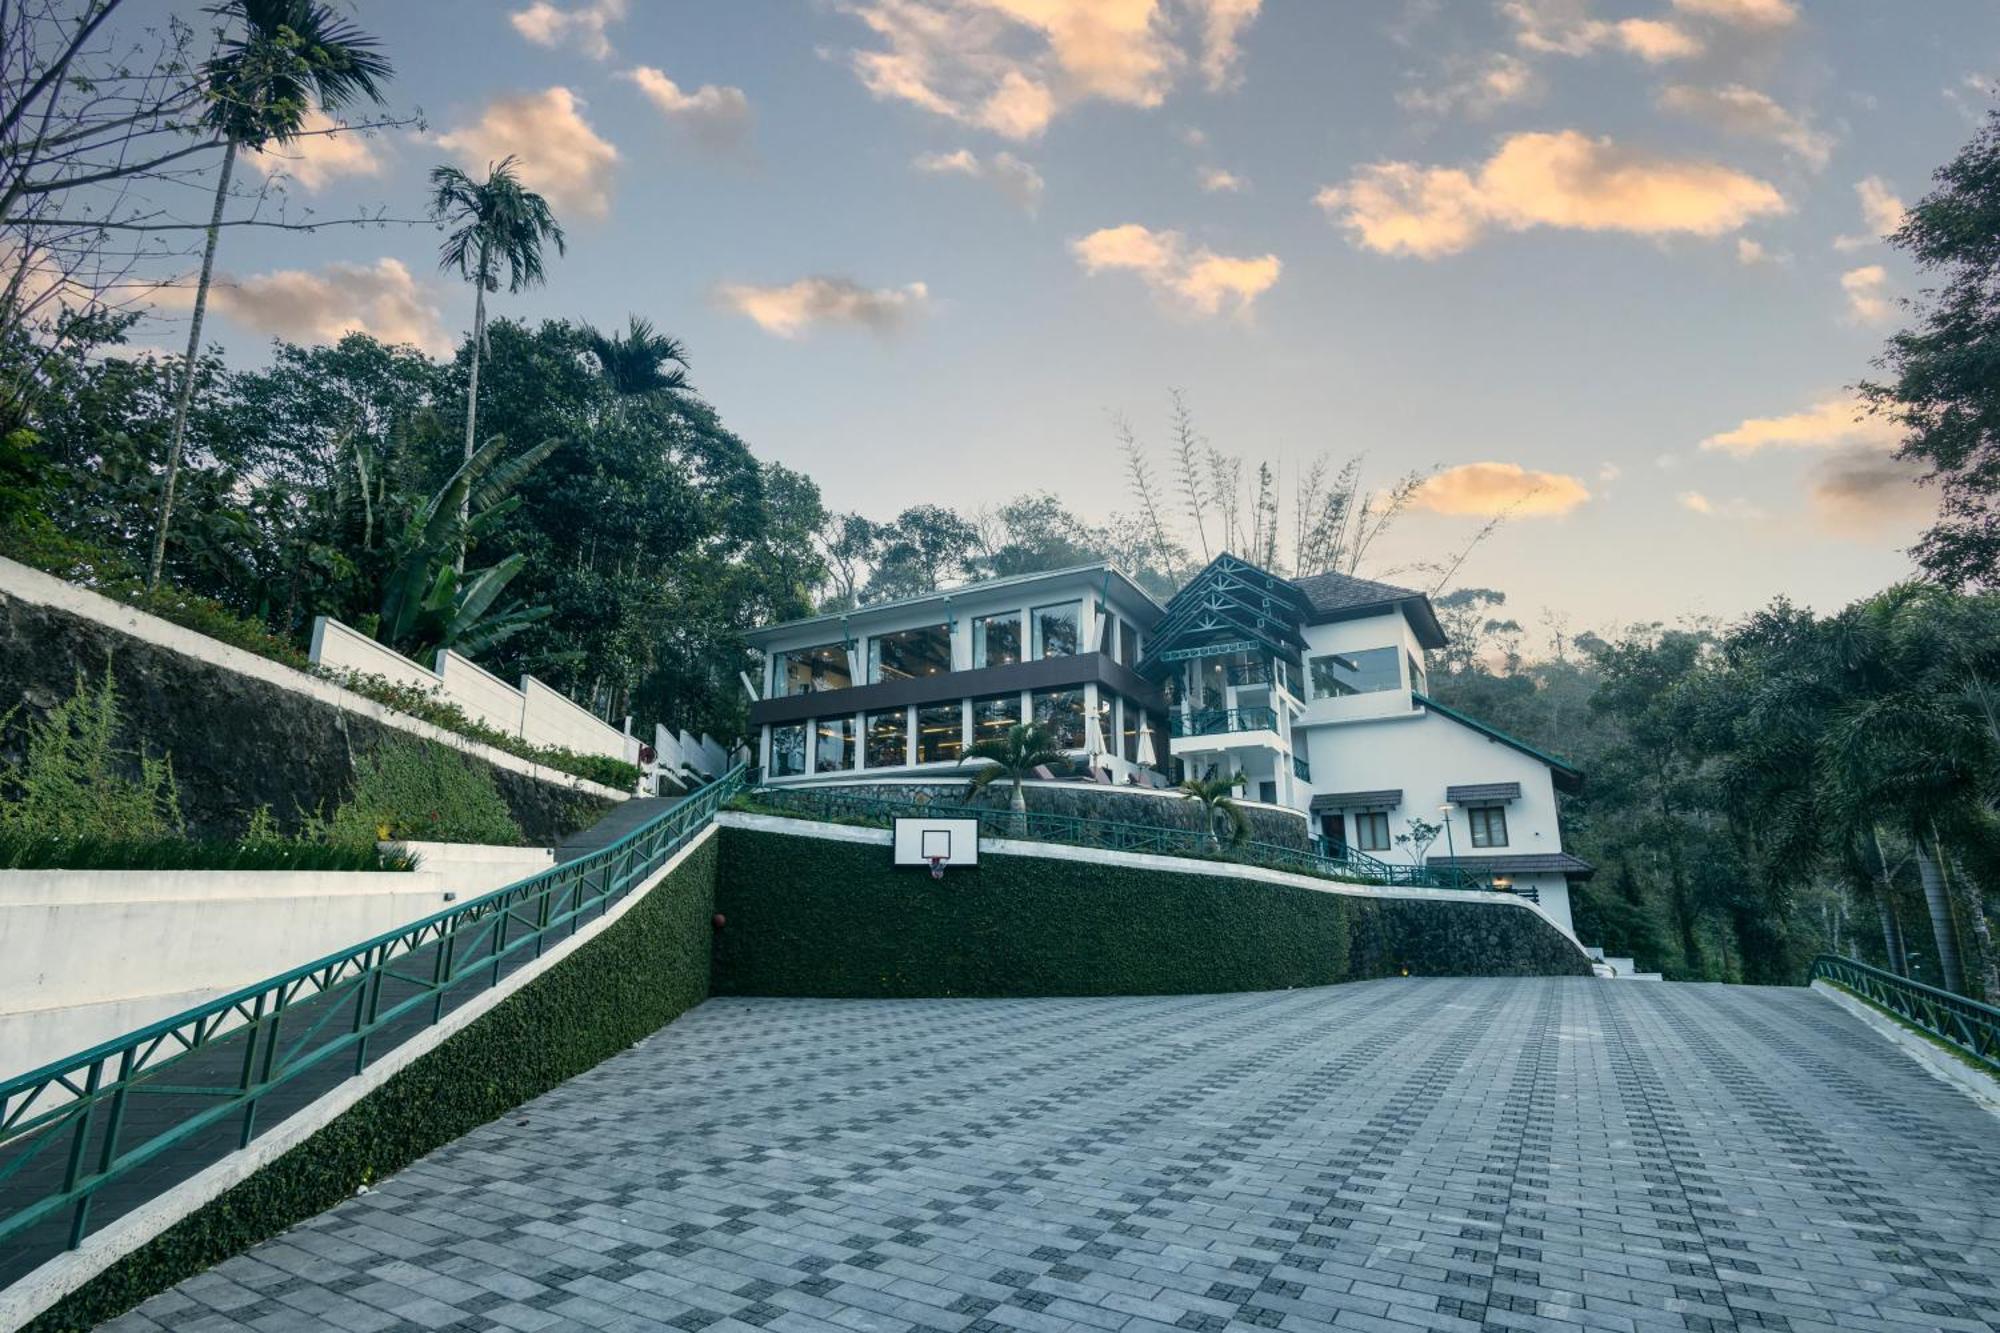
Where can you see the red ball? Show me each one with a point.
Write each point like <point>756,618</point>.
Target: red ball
<point>718,921</point>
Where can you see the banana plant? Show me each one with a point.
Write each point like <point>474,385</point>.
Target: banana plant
<point>429,601</point>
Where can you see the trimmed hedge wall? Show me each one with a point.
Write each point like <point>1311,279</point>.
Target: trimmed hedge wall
<point>833,918</point>
<point>641,973</point>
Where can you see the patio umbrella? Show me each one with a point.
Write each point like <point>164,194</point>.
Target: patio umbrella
<point>1093,738</point>
<point>1148,757</point>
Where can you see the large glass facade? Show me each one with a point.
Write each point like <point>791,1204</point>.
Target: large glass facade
<point>996,640</point>
<point>1128,643</point>
<point>810,670</point>
<point>833,744</point>
<point>1058,629</point>
<point>909,654</point>
<point>1368,671</point>
<point>992,716</point>
<point>940,733</point>
<point>1133,716</point>
<point>1061,713</point>
<point>889,739</point>
<point>788,750</point>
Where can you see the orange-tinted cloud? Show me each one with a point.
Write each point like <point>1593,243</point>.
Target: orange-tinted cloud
<point>1192,277</point>
<point>560,154</point>
<point>1825,425</point>
<point>1489,489</point>
<point>793,309</point>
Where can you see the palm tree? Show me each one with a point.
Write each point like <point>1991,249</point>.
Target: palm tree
<point>634,364</point>
<point>260,83</point>
<point>495,223</point>
<point>1218,802</point>
<point>1015,756</point>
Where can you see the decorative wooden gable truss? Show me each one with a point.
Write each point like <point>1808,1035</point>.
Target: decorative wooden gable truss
<point>1229,607</point>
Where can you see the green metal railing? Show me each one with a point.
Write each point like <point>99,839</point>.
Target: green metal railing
<point>1301,769</point>
<point>828,803</point>
<point>1218,721</point>
<point>1967,1025</point>
<point>91,1137</point>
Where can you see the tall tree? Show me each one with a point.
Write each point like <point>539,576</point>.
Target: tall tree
<point>277,58</point>
<point>496,223</point>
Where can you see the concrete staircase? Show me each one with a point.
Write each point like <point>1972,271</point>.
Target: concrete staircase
<point>1618,969</point>
<point>623,819</point>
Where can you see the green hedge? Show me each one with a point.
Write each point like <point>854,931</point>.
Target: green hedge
<point>820,917</point>
<point>641,973</point>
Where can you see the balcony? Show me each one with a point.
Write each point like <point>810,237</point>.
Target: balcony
<point>1301,769</point>
<point>1221,721</point>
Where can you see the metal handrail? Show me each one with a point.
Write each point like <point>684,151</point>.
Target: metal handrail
<point>1967,1025</point>
<point>180,1094</point>
<point>1301,769</point>
<point>1115,835</point>
<point>1217,721</point>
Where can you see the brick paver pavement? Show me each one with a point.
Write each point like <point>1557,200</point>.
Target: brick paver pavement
<point>1393,1155</point>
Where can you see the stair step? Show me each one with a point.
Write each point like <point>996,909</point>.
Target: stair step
<point>617,822</point>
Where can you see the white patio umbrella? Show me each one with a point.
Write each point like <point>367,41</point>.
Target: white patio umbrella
<point>1148,757</point>
<point>1093,738</point>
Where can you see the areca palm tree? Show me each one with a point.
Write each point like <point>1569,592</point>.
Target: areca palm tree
<point>495,224</point>
<point>636,363</point>
<point>277,59</point>
<point>1015,756</point>
<point>1218,802</point>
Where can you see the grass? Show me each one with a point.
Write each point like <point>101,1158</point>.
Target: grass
<point>18,853</point>
<point>1951,1048</point>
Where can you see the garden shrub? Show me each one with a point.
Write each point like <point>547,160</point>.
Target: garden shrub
<point>424,792</point>
<point>19,852</point>
<point>74,783</point>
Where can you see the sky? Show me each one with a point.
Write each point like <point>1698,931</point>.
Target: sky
<point>1609,266</point>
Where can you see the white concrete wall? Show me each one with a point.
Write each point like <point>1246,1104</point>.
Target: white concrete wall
<point>339,648</point>
<point>1389,630</point>
<point>93,954</point>
<point>479,692</point>
<point>549,718</point>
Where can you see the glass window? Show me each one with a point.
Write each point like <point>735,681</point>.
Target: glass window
<point>833,744</point>
<point>1061,712</point>
<point>788,750</point>
<point>810,670</point>
<point>1371,830</point>
<point>888,739</point>
<point>1489,825</point>
<point>940,733</point>
<point>909,654</point>
<point>1267,792</point>
<point>1417,679</point>
<point>1133,715</point>
<point>1128,643</point>
<point>992,716</point>
<point>1365,672</point>
<point>996,640</point>
<point>1057,629</point>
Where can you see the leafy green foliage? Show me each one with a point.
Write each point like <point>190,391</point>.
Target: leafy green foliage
<point>423,792</point>
<point>641,973</point>
<point>277,60</point>
<point>1015,756</point>
<point>250,853</point>
<point>814,917</point>
<point>74,782</point>
<point>1218,805</point>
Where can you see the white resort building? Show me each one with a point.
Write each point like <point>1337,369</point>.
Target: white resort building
<point>1313,689</point>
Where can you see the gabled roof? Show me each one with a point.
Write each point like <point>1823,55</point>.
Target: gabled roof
<point>1345,597</point>
<point>1518,863</point>
<point>1567,777</point>
<point>1231,603</point>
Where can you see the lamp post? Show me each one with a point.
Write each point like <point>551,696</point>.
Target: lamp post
<point>1450,849</point>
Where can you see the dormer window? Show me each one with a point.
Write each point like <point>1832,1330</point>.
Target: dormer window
<point>1366,671</point>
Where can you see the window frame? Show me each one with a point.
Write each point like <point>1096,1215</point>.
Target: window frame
<point>850,747</point>
<point>1075,608</point>
<point>980,658</point>
<point>874,665</point>
<point>1332,688</point>
<point>956,707</point>
<point>1482,820</point>
<point>868,737</point>
<point>781,669</point>
<point>803,733</point>
<point>1035,699</point>
<point>1365,826</point>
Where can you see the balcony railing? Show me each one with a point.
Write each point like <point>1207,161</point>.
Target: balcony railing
<point>1220,721</point>
<point>1248,673</point>
<point>1301,769</point>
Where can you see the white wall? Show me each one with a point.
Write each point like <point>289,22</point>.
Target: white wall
<point>93,954</point>
<point>534,712</point>
<point>1388,630</point>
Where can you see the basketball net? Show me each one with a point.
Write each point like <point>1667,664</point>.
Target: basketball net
<point>937,867</point>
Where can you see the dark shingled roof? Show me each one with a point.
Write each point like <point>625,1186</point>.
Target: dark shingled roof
<point>1483,791</point>
<point>1388,797</point>
<point>1524,863</point>
<point>1343,597</point>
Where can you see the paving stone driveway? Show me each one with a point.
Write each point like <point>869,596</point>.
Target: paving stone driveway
<point>1394,1155</point>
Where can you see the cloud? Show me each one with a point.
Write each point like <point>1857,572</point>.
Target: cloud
<point>1490,489</point>
<point>1745,111</point>
<point>796,308</point>
<point>1867,300</point>
<point>1696,502</point>
<point>560,154</point>
<point>1214,180</point>
<point>1832,424</point>
<point>1566,180</point>
<point>1195,278</point>
<point>324,305</point>
<point>1609,472</point>
<point>586,26</point>
<point>1566,27</point>
<point>1750,252</point>
<point>717,116</point>
<point>324,152</point>
<point>1881,213</point>
<point>1011,66</point>
<point>1743,13</point>
<point>1478,89</point>
<point>1864,490</point>
<point>1016,180</point>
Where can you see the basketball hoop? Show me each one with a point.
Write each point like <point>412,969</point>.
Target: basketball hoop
<point>937,867</point>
